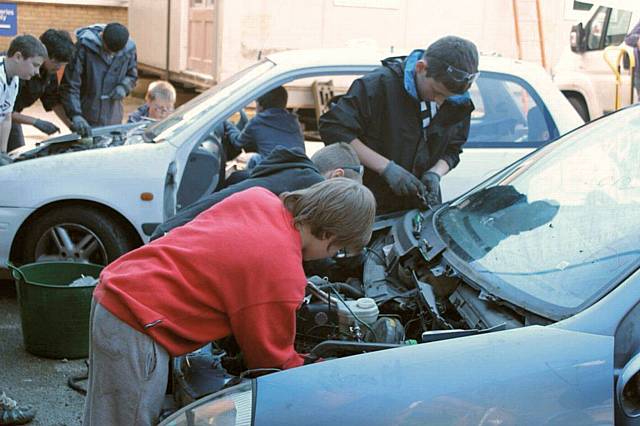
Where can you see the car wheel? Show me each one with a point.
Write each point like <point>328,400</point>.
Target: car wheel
<point>76,234</point>
<point>578,103</point>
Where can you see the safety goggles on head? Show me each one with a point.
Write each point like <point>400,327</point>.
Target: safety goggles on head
<point>359,169</point>
<point>456,75</point>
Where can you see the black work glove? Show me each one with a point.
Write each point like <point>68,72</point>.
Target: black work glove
<point>311,358</point>
<point>401,181</point>
<point>81,126</point>
<point>118,93</point>
<point>431,181</point>
<point>46,126</point>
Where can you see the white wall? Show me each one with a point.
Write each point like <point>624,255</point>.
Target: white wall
<point>250,26</point>
<point>254,25</point>
<point>147,26</point>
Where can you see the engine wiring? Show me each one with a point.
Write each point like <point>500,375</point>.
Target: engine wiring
<point>378,255</point>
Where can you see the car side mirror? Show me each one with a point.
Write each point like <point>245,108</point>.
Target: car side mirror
<point>628,388</point>
<point>577,38</point>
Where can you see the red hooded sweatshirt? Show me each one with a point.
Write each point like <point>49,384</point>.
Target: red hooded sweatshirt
<point>236,269</point>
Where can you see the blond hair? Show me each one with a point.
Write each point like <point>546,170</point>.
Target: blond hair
<point>340,208</point>
<point>161,89</point>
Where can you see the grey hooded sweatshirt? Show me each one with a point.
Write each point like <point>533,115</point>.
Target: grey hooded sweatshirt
<point>91,76</point>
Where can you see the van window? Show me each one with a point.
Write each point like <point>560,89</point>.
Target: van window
<point>607,27</point>
<point>617,28</point>
<point>595,29</point>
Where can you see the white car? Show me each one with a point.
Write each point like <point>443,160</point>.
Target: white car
<point>93,199</point>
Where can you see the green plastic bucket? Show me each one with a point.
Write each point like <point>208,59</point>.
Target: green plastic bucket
<point>54,316</point>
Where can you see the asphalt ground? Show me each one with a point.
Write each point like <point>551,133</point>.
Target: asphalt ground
<point>31,380</point>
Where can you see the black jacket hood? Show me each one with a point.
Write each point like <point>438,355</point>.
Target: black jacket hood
<point>280,159</point>
<point>395,64</point>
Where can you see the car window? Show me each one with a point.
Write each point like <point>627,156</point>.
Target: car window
<point>563,227</point>
<point>186,114</point>
<point>508,113</point>
<point>617,28</point>
<point>595,28</point>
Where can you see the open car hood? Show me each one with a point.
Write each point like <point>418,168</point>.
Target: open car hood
<point>102,137</point>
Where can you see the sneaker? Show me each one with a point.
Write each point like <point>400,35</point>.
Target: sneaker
<point>11,414</point>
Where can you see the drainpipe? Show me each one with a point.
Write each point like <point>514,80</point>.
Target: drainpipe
<point>517,27</point>
<point>542,53</point>
<point>168,39</point>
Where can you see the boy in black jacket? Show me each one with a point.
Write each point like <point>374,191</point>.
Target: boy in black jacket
<point>283,170</point>
<point>406,123</point>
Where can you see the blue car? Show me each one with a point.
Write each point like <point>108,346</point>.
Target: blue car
<point>515,304</point>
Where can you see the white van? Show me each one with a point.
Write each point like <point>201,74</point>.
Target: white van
<point>582,73</point>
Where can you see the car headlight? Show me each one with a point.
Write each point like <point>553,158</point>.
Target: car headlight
<point>230,407</point>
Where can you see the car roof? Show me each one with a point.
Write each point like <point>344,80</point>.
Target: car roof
<point>296,59</point>
<point>564,114</point>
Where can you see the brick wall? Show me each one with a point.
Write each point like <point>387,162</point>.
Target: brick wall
<point>36,18</point>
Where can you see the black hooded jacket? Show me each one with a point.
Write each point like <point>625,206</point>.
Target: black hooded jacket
<point>283,170</point>
<point>378,110</point>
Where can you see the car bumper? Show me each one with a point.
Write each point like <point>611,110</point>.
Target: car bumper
<point>10,220</point>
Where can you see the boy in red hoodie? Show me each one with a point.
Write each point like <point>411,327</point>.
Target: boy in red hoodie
<point>236,269</point>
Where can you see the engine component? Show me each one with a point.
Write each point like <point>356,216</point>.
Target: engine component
<point>387,330</point>
<point>363,309</point>
<point>351,313</point>
<point>198,374</point>
<point>339,348</point>
<point>349,290</point>
<point>436,335</point>
<point>479,313</point>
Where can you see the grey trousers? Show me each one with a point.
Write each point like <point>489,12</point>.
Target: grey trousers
<point>127,373</point>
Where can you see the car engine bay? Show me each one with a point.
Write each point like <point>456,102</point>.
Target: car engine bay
<point>105,137</point>
<point>399,291</point>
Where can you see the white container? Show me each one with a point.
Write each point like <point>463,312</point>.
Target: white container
<point>364,308</point>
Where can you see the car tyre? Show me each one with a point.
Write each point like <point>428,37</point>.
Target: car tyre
<point>77,234</point>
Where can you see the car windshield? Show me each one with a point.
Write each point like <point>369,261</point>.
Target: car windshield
<point>195,108</point>
<point>559,229</point>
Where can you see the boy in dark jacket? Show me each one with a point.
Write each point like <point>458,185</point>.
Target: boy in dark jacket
<point>283,170</point>
<point>272,126</point>
<point>234,270</point>
<point>405,123</point>
<point>43,86</point>
<point>101,73</point>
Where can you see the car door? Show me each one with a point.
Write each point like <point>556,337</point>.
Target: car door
<point>237,92</point>
<point>617,315</point>
<point>509,121</point>
<point>627,367</point>
<point>194,130</point>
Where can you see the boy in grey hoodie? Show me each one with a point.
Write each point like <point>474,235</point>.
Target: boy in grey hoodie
<point>102,72</point>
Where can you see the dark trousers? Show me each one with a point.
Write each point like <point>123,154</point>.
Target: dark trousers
<point>16,137</point>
